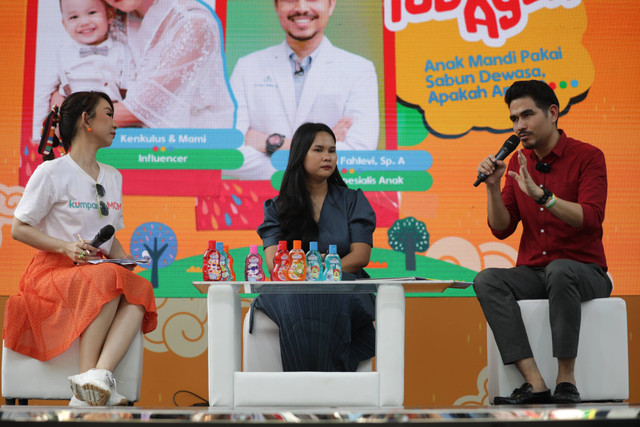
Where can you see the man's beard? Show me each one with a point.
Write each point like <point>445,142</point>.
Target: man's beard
<point>530,144</point>
<point>302,39</point>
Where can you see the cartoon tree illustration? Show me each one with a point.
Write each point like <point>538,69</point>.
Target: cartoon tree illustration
<point>409,235</point>
<point>159,241</point>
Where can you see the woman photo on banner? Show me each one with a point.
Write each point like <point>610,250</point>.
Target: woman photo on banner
<point>178,78</point>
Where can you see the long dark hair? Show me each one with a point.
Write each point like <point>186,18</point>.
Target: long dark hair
<point>294,201</point>
<point>70,112</point>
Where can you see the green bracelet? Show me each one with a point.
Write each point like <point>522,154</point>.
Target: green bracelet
<point>552,201</point>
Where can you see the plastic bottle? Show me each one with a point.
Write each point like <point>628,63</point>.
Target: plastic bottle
<point>253,266</point>
<point>211,270</point>
<point>281,263</point>
<point>232,275</point>
<point>224,261</point>
<point>314,263</point>
<point>333,265</point>
<point>298,262</point>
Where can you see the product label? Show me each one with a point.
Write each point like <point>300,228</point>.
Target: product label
<point>282,269</point>
<point>334,270</point>
<point>296,271</point>
<point>253,271</point>
<point>313,267</point>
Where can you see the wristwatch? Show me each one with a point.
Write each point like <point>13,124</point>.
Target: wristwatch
<point>543,199</point>
<point>274,141</point>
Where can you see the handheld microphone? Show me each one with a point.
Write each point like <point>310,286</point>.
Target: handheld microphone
<point>507,148</point>
<point>103,235</point>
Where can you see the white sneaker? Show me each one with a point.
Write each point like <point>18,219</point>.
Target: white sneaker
<point>116,399</point>
<point>77,403</point>
<point>93,386</point>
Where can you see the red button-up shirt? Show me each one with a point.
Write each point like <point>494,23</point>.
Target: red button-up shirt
<point>578,174</point>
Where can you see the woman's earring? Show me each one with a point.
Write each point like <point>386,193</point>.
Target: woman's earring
<point>89,130</point>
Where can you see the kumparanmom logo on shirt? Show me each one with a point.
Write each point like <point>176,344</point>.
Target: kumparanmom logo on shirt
<point>73,204</point>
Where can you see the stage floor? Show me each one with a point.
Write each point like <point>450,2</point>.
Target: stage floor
<point>621,414</point>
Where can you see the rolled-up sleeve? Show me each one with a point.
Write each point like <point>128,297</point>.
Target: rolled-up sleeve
<point>269,231</point>
<point>593,191</point>
<point>362,220</point>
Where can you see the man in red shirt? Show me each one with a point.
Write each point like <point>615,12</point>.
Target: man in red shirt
<point>557,187</point>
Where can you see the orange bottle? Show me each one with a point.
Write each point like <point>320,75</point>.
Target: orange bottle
<point>298,267</point>
<point>232,275</point>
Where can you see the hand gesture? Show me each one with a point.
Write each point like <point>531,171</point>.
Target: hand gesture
<point>524,180</point>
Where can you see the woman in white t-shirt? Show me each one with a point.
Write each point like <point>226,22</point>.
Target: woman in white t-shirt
<point>61,296</point>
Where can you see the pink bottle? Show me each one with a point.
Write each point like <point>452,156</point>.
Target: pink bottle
<point>253,266</point>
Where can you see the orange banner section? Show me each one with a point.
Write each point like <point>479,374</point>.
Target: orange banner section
<point>440,74</point>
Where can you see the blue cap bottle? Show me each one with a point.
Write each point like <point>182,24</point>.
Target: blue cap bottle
<point>314,263</point>
<point>333,265</point>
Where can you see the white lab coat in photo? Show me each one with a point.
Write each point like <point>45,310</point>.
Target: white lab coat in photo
<point>338,84</point>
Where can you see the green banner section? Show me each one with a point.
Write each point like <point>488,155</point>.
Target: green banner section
<point>171,159</point>
<point>175,279</point>
<point>378,180</point>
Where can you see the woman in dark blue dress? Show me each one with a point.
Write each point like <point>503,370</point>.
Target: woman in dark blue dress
<point>320,332</point>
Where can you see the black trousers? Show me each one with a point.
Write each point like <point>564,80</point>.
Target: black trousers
<point>322,332</point>
<point>565,283</point>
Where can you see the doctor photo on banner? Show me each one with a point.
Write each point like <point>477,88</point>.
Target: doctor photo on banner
<point>303,61</point>
<point>162,61</point>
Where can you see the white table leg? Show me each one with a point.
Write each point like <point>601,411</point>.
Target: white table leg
<point>390,319</point>
<point>223,306</point>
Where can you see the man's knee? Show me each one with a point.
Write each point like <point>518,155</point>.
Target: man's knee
<point>561,273</point>
<point>581,281</point>
<point>561,265</point>
<point>562,280</point>
<point>486,279</point>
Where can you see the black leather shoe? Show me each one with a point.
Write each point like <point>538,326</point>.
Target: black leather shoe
<point>524,396</point>
<point>566,393</point>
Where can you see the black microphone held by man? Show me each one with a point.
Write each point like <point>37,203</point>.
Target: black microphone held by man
<point>507,148</point>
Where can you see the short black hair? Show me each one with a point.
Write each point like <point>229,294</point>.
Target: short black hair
<point>541,93</point>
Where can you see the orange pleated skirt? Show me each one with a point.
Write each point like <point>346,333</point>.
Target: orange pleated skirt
<point>57,300</point>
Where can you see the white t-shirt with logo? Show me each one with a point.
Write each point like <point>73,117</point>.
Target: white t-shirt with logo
<point>60,200</point>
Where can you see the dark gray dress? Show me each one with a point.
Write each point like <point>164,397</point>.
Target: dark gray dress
<point>325,332</point>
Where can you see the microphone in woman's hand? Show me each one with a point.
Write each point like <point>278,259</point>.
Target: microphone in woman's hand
<point>103,235</point>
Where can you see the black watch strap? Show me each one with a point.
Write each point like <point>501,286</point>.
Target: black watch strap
<point>543,199</point>
<point>273,143</point>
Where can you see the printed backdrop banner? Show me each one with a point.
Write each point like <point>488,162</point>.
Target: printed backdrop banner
<point>414,90</point>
